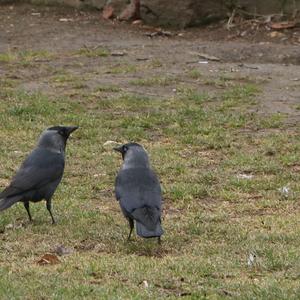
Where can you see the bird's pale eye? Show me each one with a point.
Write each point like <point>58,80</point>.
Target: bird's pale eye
<point>62,132</point>
<point>125,149</point>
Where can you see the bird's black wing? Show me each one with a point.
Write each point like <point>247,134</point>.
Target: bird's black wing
<point>41,167</point>
<point>118,186</point>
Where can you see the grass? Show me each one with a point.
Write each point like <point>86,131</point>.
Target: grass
<point>107,89</point>
<point>65,79</point>
<point>194,74</point>
<point>199,143</point>
<point>122,69</point>
<point>25,58</point>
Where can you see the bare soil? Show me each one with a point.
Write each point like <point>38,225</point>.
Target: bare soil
<point>246,52</point>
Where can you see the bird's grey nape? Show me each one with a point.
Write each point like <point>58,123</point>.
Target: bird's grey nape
<point>55,138</point>
<point>133,155</point>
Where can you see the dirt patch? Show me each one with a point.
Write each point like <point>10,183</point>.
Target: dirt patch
<point>57,34</point>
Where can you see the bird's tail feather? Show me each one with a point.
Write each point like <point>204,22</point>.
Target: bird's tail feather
<point>148,222</point>
<point>8,202</point>
<point>142,231</point>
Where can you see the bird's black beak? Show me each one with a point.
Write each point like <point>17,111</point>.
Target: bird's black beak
<point>119,149</point>
<point>70,129</point>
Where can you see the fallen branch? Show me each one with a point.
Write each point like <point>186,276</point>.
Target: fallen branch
<point>230,20</point>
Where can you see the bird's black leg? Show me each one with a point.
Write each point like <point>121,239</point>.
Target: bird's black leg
<point>159,240</point>
<point>131,225</point>
<point>26,205</point>
<point>48,205</point>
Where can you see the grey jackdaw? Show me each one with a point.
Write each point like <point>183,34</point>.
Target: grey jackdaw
<point>41,172</point>
<point>138,192</point>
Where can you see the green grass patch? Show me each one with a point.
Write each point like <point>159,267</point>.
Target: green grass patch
<point>194,74</point>
<point>25,57</point>
<point>107,89</point>
<point>222,165</point>
<point>123,69</point>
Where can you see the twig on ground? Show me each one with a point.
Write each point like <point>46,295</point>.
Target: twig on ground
<point>230,20</point>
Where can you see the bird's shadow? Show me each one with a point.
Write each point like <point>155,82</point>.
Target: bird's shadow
<point>149,248</point>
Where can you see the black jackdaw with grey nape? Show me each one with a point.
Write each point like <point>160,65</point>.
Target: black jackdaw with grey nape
<point>138,192</point>
<point>41,172</point>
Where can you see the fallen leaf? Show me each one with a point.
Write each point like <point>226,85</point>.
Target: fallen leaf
<point>296,167</point>
<point>118,53</point>
<point>285,191</point>
<point>110,144</point>
<point>209,57</point>
<point>65,20</point>
<point>108,12</point>
<point>248,66</point>
<point>9,226</point>
<point>206,56</point>
<point>137,22</point>
<point>131,11</point>
<point>251,259</point>
<point>184,294</point>
<point>276,34</point>
<point>283,25</point>
<point>159,32</point>
<point>244,176</point>
<point>48,259</point>
<point>145,284</point>
<point>142,58</point>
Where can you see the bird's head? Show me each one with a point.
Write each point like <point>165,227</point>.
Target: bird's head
<point>56,137</point>
<point>133,154</point>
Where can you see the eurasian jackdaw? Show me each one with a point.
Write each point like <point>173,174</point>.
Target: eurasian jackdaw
<point>41,172</point>
<point>138,191</point>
